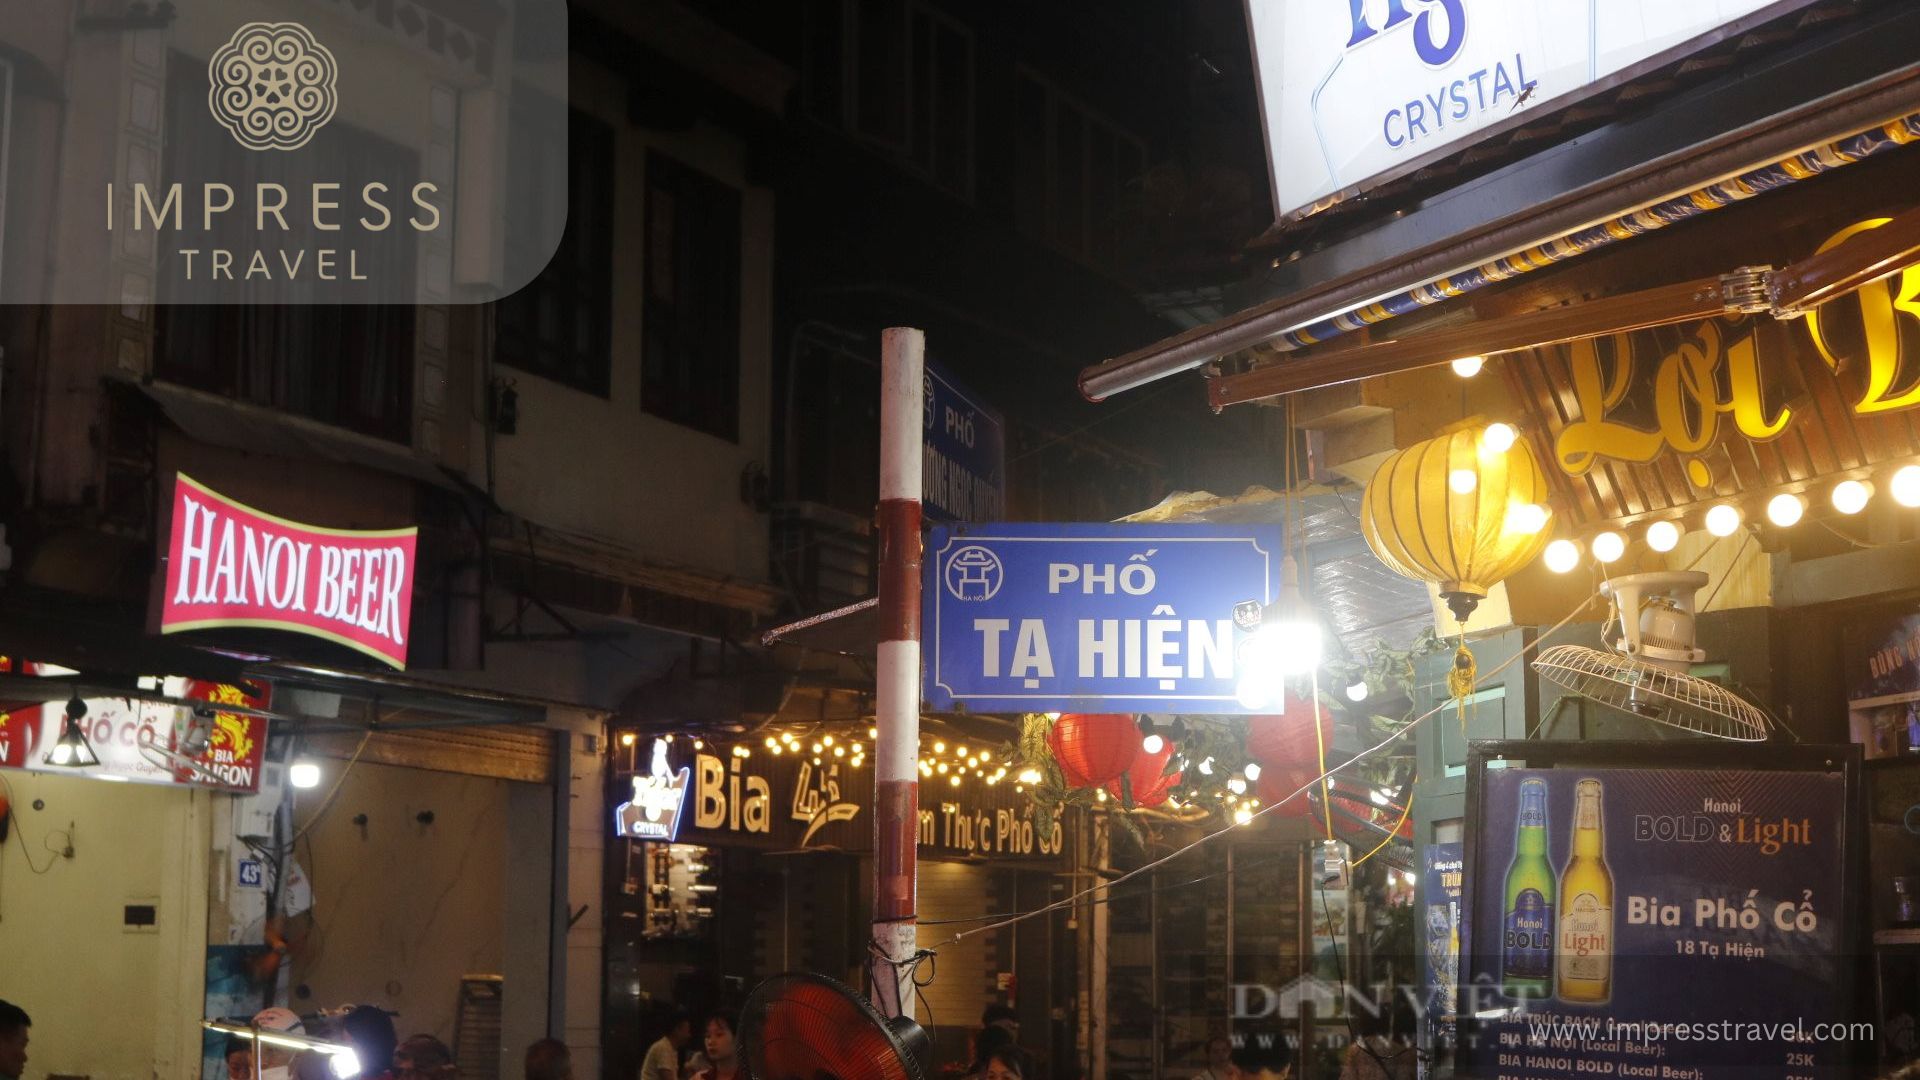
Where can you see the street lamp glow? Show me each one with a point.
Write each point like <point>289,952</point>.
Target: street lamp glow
<point>1850,496</point>
<point>1562,556</point>
<point>1468,366</point>
<point>1609,546</point>
<point>1663,536</point>
<point>1786,509</point>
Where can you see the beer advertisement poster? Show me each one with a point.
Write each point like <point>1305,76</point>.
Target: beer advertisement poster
<point>1661,923</point>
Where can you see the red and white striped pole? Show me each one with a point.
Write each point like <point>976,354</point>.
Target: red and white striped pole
<point>896,745</point>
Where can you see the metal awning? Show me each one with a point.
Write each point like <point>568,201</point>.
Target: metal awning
<point>237,425</point>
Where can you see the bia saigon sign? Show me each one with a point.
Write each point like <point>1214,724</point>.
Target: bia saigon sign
<point>229,565</point>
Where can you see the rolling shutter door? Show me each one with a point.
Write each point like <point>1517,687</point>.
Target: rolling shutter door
<point>962,981</point>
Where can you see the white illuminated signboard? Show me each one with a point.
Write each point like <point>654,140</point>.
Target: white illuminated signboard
<point>1353,91</point>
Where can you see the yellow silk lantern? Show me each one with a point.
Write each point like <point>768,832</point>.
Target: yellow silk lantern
<point>1463,511</point>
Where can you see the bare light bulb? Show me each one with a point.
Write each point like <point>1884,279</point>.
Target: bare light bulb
<point>1357,692</point>
<point>1663,536</point>
<point>1609,546</point>
<point>1526,518</point>
<point>304,774</point>
<point>1468,366</point>
<point>1850,496</point>
<point>1237,786</point>
<point>1463,481</point>
<point>1785,509</point>
<point>1906,486</point>
<point>1498,438</point>
<point>1153,744</point>
<point>1562,556</point>
<point>1724,519</point>
<point>1242,816</point>
<point>1253,770</point>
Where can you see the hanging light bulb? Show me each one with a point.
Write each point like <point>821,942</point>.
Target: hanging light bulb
<point>1153,744</point>
<point>1724,519</point>
<point>1850,496</point>
<point>955,780</point>
<point>939,747</point>
<point>1252,770</point>
<point>1562,556</point>
<point>1101,794</point>
<point>777,750</point>
<point>1498,438</point>
<point>873,733</point>
<point>1785,509</point>
<point>1242,816</point>
<point>1237,786</point>
<point>72,750</point>
<point>942,767</point>
<point>1609,546</point>
<point>1206,767</point>
<point>1358,691</point>
<point>304,773</point>
<point>1463,481</point>
<point>627,738</point>
<point>1029,776</point>
<point>826,740</point>
<point>1468,366</point>
<point>1905,486</point>
<point>1526,518</point>
<point>1663,535</point>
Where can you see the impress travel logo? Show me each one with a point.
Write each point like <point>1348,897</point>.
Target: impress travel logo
<point>303,152</point>
<point>273,86</point>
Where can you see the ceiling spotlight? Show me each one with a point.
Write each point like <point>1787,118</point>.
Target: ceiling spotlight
<point>1609,546</point>
<point>1663,535</point>
<point>1463,481</point>
<point>1786,509</point>
<point>1906,486</point>
<point>1850,496</point>
<point>72,750</point>
<point>1468,366</point>
<point>1358,691</point>
<point>1526,518</point>
<point>1562,556</point>
<point>1498,438</point>
<point>1724,519</point>
<point>304,774</point>
<point>1153,744</point>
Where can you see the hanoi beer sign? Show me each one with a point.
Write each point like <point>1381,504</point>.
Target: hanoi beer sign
<point>1657,921</point>
<point>231,565</point>
<point>1129,618</point>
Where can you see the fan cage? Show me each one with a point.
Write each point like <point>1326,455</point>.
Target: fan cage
<point>1653,693</point>
<point>801,1026</point>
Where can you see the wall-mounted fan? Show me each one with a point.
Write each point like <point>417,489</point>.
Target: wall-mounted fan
<point>808,1027</point>
<point>1643,670</point>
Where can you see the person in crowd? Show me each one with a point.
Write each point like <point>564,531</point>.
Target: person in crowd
<point>663,1057</point>
<point>14,1023</point>
<point>993,1039</point>
<point>239,1057</point>
<point>423,1057</point>
<point>998,1015</point>
<point>1374,1055</point>
<point>1219,1048</point>
<point>549,1059</point>
<point>723,1053</point>
<point>1009,1062</point>
<point>369,1030</point>
<point>276,1062</point>
<point>1261,1055</point>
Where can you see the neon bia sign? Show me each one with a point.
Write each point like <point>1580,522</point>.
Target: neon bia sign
<point>654,810</point>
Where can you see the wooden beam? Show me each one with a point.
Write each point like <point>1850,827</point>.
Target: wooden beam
<point>1698,299</point>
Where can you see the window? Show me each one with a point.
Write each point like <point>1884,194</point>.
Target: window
<point>690,351</point>
<point>899,75</point>
<point>349,365</point>
<point>560,326</point>
<point>1072,170</point>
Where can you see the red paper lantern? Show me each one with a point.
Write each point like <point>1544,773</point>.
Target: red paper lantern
<point>1145,776</point>
<point>1093,748</point>
<point>1279,781</point>
<point>1284,739</point>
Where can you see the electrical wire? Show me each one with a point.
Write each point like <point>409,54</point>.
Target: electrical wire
<point>21,829</point>
<point>1728,576</point>
<point>1393,737</point>
<point>1406,808</point>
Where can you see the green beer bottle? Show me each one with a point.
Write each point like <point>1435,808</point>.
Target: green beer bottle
<point>1526,955</point>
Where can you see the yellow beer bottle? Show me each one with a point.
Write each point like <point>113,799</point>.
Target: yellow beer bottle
<point>1584,974</point>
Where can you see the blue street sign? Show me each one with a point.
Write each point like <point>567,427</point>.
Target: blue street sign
<point>1077,618</point>
<point>964,464</point>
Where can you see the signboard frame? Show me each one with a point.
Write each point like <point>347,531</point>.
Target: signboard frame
<point>1476,1060</point>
